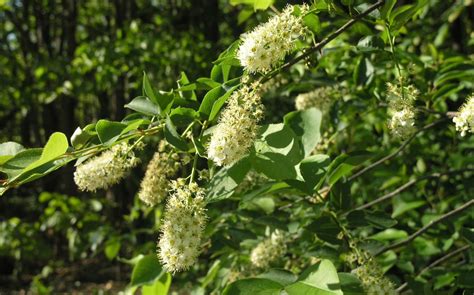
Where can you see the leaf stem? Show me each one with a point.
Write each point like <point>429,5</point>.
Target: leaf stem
<point>323,42</point>
<point>435,263</point>
<point>408,185</point>
<point>397,151</point>
<point>422,230</point>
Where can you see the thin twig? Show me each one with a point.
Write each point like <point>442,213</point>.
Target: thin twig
<point>407,185</point>
<point>325,41</point>
<point>425,228</point>
<point>397,151</point>
<point>435,263</point>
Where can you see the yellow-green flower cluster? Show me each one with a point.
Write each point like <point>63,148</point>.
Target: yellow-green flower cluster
<point>267,45</point>
<point>373,281</point>
<point>464,120</point>
<point>269,250</point>
<point>237,128</point>
<point>401,99</point>
<point>182,228</point>
<point>162,167</point>
<point>105,170</point>
<point>320,98</point>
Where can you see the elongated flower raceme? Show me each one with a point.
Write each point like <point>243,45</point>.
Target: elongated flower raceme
<point>464,120</point>
<point>162,167</point>
<point>105,170</point>
<point>237,127</point>
<point>401,99</point>
<point>182,228</point>
<point>267,45</point>
<point>320,98</point>
<point>269,250</point>
<point>373,281</point>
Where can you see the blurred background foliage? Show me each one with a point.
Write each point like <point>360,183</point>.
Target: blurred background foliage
<point>66,63</point>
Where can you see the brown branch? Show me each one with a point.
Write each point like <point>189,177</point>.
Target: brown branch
<point>406,186</point>
<point>425,228</point>
<point>435,263</point>
<point>326,40</point>
<point>397,151</point>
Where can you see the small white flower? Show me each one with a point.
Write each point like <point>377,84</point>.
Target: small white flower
<point>401,99</point>
<point>237,127</point>
<point>373,281</point>
<point>402,123</point>
<point>269,250</point>
<point>320,98</point>
<point>162,167</point>
<point>105,170</point>
<point>182,228</point>
<point>267,45</point>
<point>464,120</point>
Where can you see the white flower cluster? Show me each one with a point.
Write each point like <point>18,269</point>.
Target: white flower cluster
<point>105,170</point>
<point>373,281</point>
<point>237,127</point>
<point>402,123</point>
<point>162,167</point>
<point>269,250</point>
<point>401,99</point>
<point>182,228</point>
<point>320,98</point>
<point>464,120</point>
<point>267,45</point>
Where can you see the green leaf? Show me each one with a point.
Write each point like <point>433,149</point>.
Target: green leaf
<point>224,182</point>
<point>350,284</point>
<point>326,229</point>
<point>468,234</point>
<point>207,83</point>
<point>219,103</point>
<point>8,150</point>
<point>20,161</point>
<point>254,286</point>
<point>403,206</point>
<point>389,234</point>
<point>144,105</point>
<point>345,163</point>
<point>387,9</point>
<point>312,22</point>
<point>148,90</point>
<point>402,14</point>
<point>160,287</point>
<point>262,4</point>
<point>306,125</point>
<point>364,72</point>
<point>109,131</point>
<point>237,2</point>
<point>112,248</point>
<point>370,44</point>
<point>56,146</point>
<point>209,100</point>
<point>312,170</point>
<point>186,94</point>
<point>81,137</point>
<point>183,116</point>
<point>211,274</point>
<point>277,152</point>
<point>318,279</point>
<point>377,219</point>
<point>173,137</point>
<point>134,125</point>
<point>146,271</point>
<point>281,276</point>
